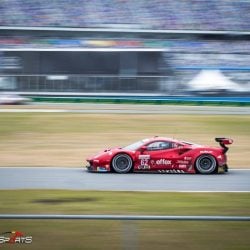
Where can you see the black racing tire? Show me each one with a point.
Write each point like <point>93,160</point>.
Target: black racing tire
<point>122,163</point>
<point>206,164</point>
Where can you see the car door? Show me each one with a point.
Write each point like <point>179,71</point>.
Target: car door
<point>161,154</point>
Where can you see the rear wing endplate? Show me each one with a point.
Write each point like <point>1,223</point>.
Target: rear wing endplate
<point>223,142</point>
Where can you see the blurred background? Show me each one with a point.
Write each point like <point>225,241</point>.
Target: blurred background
<point>160,47</point>
<point>68,50</point>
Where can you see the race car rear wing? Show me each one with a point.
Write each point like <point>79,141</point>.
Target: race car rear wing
<point>223,142</point>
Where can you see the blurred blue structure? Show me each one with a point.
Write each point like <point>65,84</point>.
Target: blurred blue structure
<point>117,46</point>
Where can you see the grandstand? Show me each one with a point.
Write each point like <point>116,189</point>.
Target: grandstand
<point>117,46</point>
<point>157,14</point>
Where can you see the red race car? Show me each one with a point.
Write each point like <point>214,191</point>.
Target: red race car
<point>163,155</point>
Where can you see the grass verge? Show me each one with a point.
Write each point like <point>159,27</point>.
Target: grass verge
<point>71,234</point>
<point>95,202</point>
<point>64,139</point>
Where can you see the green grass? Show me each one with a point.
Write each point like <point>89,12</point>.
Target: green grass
<point>95,202</point>
<point>12,124</point>
<point>115,235</point>
<point>91,234</point>
<point>64,139</point>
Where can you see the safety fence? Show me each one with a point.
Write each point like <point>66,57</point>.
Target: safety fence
<point>123,217</point>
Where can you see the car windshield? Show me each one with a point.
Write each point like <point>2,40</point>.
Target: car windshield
<point>135,145</point>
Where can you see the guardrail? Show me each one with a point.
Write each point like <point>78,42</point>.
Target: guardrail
<point>123,217</point>
<point>124,99</point>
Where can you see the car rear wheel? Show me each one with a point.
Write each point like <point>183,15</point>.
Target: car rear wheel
<point>206,164</point>
<point>122,163</point>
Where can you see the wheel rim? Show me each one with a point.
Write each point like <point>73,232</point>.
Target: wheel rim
<point>206,164</point>
<point>122,163</point>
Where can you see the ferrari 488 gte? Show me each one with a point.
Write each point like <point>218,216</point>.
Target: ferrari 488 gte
<point>164,155</point>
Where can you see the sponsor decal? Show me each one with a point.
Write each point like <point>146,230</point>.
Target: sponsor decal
<point>182,162</point>
<point>152,162</point>
<point>206,151</point>
<point>187,158</point>
<point>14,237</point>
<point>144,156</point>
<point>219,157</point>
<point>183,166</point>
<point>163,162</point>
<point>144,167</point>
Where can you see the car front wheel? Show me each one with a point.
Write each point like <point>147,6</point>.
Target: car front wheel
<point>122,163</point>
<point>206,164</point>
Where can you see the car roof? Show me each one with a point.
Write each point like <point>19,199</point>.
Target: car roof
<point>159,138</point>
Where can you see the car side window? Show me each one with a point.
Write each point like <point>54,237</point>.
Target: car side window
<point>159,145</point>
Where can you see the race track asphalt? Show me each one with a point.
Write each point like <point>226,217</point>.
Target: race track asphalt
<point>80,179</point>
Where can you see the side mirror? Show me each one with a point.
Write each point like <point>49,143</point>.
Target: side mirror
<point>143,148</point>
